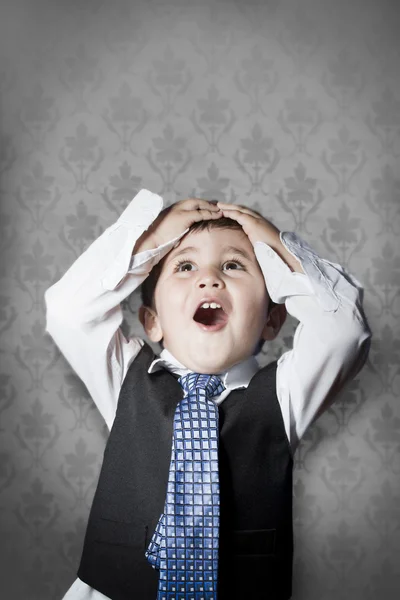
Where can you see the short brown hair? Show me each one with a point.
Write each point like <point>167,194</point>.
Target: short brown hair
<point>149,284</point>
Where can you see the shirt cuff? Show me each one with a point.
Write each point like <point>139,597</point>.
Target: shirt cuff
<point>149,258</point>
<point>332,284</point>
<point>322,284</point>
<point>321,278</point>
<point>133,221</point>
<point>280,281</point>
<point>142,210</point>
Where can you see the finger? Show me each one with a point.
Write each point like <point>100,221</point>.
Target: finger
<point>230,205</point>
<point>204,214</point>
<point>201,204</point>
<point>243,209</point>
<point>237,215</point>
<point>234,214</point>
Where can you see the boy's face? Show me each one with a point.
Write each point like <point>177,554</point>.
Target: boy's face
<point>210,270</point>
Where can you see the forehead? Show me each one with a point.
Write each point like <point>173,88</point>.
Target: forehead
<point>215,241</point>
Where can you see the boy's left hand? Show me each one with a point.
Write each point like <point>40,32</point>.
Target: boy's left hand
<point>255,226</point>
<point>258,229</point>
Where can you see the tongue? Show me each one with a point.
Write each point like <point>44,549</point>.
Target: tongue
<point>210,316</point>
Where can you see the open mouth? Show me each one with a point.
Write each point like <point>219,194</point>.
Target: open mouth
<point>210,318</point>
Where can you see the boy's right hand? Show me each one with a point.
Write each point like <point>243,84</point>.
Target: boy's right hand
<point>173,220</point>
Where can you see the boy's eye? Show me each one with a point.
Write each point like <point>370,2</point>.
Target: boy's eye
<point>181,265</point>
<point>234,262</point>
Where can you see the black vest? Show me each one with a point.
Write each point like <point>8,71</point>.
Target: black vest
<point>255,465</point>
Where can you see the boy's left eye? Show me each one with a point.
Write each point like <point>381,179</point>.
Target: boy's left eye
<point>234,262</point>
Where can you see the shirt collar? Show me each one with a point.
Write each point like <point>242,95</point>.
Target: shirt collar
<point>237,376</point>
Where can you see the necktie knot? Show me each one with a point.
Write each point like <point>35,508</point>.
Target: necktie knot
<point>211,384</point>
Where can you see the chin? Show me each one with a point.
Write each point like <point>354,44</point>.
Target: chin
<point>210,366</point>
<point>205,367</point>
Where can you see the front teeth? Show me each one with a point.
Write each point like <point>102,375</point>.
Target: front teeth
<point>210,305</point>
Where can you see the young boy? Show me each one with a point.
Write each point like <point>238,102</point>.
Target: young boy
<point>217,281</point>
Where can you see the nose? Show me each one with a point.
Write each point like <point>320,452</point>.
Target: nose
<point>210,277</point>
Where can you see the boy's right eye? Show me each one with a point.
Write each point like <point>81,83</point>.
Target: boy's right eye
<point>182,263</point>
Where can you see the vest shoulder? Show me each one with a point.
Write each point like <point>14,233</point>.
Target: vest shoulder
<point>268,369</point>
<point>271,365</point>
<point>144,357</point>
<point>265,377</point>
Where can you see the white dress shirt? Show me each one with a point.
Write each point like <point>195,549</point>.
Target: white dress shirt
<point>83,316</point>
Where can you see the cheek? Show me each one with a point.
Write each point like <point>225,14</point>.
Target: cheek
<point>256,304</point>
<point>254,293</point>
<point>170,302</point>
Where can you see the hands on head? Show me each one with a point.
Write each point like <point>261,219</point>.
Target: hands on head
<point>178,217</point>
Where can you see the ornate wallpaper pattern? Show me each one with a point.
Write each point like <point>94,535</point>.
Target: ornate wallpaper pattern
<point>292,108</point>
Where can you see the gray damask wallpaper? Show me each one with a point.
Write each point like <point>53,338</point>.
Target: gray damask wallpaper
<point>289,107</point>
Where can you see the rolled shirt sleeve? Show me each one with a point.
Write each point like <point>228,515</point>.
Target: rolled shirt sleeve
<point>83,308</point>
<point>332,339</point>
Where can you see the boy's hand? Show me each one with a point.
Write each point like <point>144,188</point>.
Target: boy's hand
<point>258,229</point>
<point>255,226</point>
<point>173,221</point>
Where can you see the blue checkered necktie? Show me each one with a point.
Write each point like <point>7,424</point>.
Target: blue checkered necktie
<point>184,546</point>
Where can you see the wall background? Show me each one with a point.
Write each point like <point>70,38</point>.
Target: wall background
<point>292,108</point>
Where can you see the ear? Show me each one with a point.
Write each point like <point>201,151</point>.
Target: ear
<point>276,318</point>
<point>151,324</point>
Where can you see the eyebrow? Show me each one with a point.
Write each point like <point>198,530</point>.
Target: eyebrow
<point>227,250</point>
